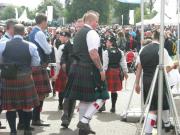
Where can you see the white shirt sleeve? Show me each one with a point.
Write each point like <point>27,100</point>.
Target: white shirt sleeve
<point>123,62</point>
<point>105,60</point>
<point>2,48</point>
<point>93,40</point>
<point>35,61</point>
<point>167,59</point>
<point>58,60</point>
<point>40,38</point>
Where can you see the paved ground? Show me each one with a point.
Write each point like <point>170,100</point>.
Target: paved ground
<point>104,123</point>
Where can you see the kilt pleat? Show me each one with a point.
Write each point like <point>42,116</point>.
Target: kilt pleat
<point>113,79</point>
<point>82,83</point>
<point>41,80</point>
<point>19,93</point>
<point>61,81</point>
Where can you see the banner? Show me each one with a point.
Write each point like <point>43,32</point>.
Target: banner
<point>131,17</point>
<point>130,1</point>
<point>50,13</point>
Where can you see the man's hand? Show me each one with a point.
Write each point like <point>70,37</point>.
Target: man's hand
<point>64,67</point>
<point>137,88</point>
<point>103,75</point>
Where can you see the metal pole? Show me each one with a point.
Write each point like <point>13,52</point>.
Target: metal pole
<point>142,20</point>
<point>161,63</point>
<point>178,28</point>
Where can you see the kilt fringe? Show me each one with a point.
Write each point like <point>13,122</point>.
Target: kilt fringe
<point>41,80</point>
<point>19,93</point>
<point>61,81</point>
<point>82,84</point>
<point>114,82</point>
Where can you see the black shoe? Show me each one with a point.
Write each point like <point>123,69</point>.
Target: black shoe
<point>60,107</point>
<point>169,128</point>
<point>27,132</point>
<point>103,108</point>
<point>40,123</point>
<point>113,110</point>
<point>85,127</point>
<point>2,127</point>
<point>65,123</point>
<point>13,133</point>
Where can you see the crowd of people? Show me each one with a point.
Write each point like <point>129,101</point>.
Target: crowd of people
<point>83,61</point>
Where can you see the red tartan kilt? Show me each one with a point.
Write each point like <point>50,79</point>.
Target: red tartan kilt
<point>41,80</point>
<point>61,81</point>
<point>19,94</point>
<point>113,79</point>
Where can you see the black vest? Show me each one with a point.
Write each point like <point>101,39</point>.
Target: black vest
<point>114,58</point>
<point>17,51</point>
<point>80,48</point>
<point>149,59</point>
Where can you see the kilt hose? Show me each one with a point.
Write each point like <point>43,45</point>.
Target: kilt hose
<point>41,81</point>
<point>114,82</point>
<point>154,104</point>
<point>61,81</point>
<point>84,84</point>
<point>19,94</point>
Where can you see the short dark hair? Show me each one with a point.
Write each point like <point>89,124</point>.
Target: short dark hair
<point>10,23</point>
<point>40,18</point>
<point>19,29</point>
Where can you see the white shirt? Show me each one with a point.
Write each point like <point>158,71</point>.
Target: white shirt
<point>93,39</point>
<point>40,38</point>
<point>58,58</point>
<point>122,62</point>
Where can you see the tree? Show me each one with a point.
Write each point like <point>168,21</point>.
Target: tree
<point>57,8</point>
<point>7,13</point>
<point>147,15</point>
<point>77,8</point>
<point>123,9</point>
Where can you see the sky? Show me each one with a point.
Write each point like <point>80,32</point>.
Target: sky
<point>32,4</point>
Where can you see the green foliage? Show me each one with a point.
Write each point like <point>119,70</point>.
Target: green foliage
<point>57,8</point>
<point>7,12</point>
<point>147,15</point>
<point>123,9</point>
<point>77,8</point>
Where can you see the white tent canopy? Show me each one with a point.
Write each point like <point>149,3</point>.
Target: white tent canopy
<point>170,13</point>
<point>24,18</point>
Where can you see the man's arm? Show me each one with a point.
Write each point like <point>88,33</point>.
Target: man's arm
<point>95,58</point>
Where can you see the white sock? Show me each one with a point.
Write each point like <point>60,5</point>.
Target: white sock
<point>151,121</point>
<point>165,118</point>
<point>83,106</point>
<point>93,108</point>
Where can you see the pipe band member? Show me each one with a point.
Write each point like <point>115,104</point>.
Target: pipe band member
<point>115,65</point>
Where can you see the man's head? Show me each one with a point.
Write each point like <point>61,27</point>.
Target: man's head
<point>19,29</point>
<point>91,18</point>
<point>79,24</point>
<point>10,26</point>
<point>41,21</point>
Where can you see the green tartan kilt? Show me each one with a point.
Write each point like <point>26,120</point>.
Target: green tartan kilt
<point>84,84</point>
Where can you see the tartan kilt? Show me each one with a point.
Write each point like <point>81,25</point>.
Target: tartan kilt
<point>41,80</point>
<point>83,83</point>
<point>113,79</point>
<point>61,81</point>
<point>20,93</point>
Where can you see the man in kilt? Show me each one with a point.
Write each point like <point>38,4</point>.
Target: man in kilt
<point>40,75</point>
<point>6,37</point>
<point>66,61</point>
<point>18,92</point>
<point>86,74</point>
<point>148,61</point>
